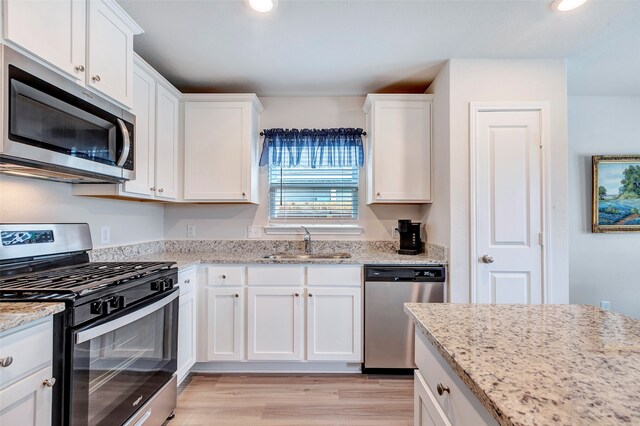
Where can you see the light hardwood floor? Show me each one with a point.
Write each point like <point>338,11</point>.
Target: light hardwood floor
<point>291,399</point>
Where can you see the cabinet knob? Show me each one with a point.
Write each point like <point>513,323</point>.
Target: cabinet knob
<point>80,68</point>
<point>296,295</point>
<point>442,389</point>
<point>153,188</point>
<point>95,78</point>
<point>6,361</point>
<point>224,277</point>
<point>310,295</point>
<point>377,194</point>
<point>161,190</point>
<point>187,281</point>
<point>49,382</point>
<point>244,195</point>
<point>236,295</point>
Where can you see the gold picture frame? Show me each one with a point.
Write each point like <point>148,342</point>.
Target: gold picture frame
<point>615,193</point>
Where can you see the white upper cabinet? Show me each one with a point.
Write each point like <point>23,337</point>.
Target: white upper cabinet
<point>221,148</point>
<point>167,122</point>
<point>89,40</point>
<point>398,148</point>
<point>29,25</point>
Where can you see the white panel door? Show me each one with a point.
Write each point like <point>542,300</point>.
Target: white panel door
<point>186,334</point>
<point>144,108</point>
<point>54,30</point>
<point>334,324</point>
<point>28,401</point>
<point>274,329</point>
<point>225,324</point>
<point>508,187</point>
<point>402,169</point>
<point>110,50</point>
<point>217,150</point>
<point>167,121</point>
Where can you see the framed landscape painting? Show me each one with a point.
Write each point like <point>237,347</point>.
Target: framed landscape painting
<point>616,193</point>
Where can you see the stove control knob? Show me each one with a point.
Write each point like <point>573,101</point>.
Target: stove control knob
<point>156,285</point>
<point>116,302</point>
<point>96,307</point>
<point>167,284</point>
<point>171,282</point>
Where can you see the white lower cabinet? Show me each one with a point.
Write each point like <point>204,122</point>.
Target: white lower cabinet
<point>225,323</point>
<point>187,317</point>
<point>26,384</point>
<point>334,324</point>
<point>274,323</point>
<point>440,395</point>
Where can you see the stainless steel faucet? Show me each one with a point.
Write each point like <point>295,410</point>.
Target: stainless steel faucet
<point>307,240</point>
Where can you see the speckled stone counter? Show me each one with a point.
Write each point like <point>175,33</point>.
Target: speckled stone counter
<point>14,314</point>
<point>543,364</point>
<point>191,252</point>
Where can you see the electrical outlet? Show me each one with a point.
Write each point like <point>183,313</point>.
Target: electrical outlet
<point>191,231</point>
<point>605,304</point>
<point>254,231</point>
<point>105,235</point>
<point>394,232</point>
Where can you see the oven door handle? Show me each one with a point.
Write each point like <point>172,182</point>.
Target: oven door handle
<point>93,332</point>
<point>126,143</point>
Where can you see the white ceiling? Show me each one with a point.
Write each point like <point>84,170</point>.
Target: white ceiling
<point>354,47</point>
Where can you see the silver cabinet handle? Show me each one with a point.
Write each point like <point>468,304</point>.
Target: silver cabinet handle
<point>161,190</point>
<point>80,68</point>
<point>187,281</point>
<point>442,389</point>
<point>487,258</point>
<point>6,361</point>
<point>153,188</point>
<point>95,78</point>
<point>49,382</point>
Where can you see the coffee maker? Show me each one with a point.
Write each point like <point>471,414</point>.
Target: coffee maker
<point>410,242</point>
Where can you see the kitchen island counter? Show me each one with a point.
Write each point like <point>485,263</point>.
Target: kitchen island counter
<point>540,364</point>
<point>15,314</point>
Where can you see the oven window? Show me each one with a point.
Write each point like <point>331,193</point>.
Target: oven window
<point>115,373</point>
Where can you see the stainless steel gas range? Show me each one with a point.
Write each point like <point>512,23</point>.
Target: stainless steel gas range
<point>115,344</point>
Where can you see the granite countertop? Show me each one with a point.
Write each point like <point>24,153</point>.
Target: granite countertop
<point>540,364</point>
<point>14,314</point>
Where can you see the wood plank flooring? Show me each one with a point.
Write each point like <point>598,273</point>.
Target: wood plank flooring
<point>292,400</point>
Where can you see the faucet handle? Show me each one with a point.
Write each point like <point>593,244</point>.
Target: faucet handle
<point>308,234</point>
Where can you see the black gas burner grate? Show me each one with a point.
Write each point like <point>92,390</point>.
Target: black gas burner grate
<point>79,279</point>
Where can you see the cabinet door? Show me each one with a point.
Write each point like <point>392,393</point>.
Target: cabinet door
<point>274,329</point>
<point>401,151</point>
<point>217,151</point>
<point>27,402</point>
<point>186,334</point>
<point>334,324</point>
<point>225,325</point>
<point>110,50</point>
<point>144,107</point>
<point>54,30</point>
<point>167,116</point>
<point>426,411</point>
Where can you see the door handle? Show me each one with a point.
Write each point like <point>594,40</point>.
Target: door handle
<point>487,258</point>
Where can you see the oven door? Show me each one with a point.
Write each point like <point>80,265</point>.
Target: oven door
<point>119,363</point>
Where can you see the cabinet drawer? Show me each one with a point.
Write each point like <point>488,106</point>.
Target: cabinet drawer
<point>276,275</point>
<point>187,280</point>
<point>459,404</point>
<point>334,275</point>
<point>31,349</point>
<point>225,275</point>
<point>426,410</point>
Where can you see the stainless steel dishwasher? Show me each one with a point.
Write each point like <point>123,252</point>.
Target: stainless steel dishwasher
<point>389,339</point>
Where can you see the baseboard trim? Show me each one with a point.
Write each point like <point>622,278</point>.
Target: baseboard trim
<point>276,367</point>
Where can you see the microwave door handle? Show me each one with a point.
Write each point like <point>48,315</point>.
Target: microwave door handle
<point>126,143</point>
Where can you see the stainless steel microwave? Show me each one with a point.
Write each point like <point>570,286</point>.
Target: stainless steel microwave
<point>55,129</point>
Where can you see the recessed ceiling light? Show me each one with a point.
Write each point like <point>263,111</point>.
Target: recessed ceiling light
<point>263,5</point>
<point>566,5</point>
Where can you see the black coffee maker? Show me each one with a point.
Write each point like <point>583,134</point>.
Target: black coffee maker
<point>410,242</point>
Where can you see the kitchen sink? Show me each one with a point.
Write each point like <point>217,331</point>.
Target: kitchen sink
<point>284,256</point>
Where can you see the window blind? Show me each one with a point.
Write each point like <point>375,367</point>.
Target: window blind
<point>313,193</point>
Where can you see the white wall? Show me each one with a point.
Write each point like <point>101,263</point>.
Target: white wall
<point>227,221</point>
<point>488,80</point>
<point>601,266</point>
<point>31,200</point>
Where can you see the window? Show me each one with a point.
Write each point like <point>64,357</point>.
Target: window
<point>313,194</point>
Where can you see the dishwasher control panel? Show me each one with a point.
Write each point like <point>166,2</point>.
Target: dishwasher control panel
<point>405,273</point>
